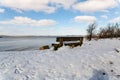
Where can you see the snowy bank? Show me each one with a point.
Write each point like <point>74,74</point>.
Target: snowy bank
<point>95,60</point>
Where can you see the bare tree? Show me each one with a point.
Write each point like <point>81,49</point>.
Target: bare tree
<point>90,30</point>
<point>117,30</point>
<point>111,31</point>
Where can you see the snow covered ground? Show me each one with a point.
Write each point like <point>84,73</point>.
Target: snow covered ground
<point>95,60</point>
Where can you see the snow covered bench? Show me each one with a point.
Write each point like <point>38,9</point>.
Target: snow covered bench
<point>67,41</point>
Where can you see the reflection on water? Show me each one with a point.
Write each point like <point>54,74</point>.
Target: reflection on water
<point>21,44</point>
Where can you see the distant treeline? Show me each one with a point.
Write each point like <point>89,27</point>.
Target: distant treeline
<point>110,31</point>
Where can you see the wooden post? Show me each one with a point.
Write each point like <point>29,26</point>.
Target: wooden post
<point>61,42</point>
<point>81,41</point>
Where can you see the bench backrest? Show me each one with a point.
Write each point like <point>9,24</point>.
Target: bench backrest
<point>59,39</point>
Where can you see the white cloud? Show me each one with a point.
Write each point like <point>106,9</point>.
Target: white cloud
<point>85,19</point>
<point>26,5</point>
<point>95,5</point>
<point>104,16</point>
<point>64,3</point>
<point>119,0</point>
<point>2,10</point>
<point>115,20</point>
<point>28,21</point>
<point>48,6</point>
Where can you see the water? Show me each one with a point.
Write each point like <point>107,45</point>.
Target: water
<point>23,44</point>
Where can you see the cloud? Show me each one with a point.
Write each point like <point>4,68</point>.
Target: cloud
<point>2,10</point>
<point>85,19</point>
<point>119,0</point>
<point>64,3</point>
<point>47,6</point>
<point>50,6</point>
<point>104,16</point>
<point>115,20</point>
<point>28,21</point>
<point>26,5</point>
<point>95,5</point>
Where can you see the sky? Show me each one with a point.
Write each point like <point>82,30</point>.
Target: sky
<point>55,17</point>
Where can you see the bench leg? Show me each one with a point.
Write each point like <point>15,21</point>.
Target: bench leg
<point>55,48</point>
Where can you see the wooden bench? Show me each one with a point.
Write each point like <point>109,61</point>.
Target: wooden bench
<point>78,41</point>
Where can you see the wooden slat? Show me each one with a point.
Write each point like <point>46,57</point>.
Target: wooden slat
<point>59,39</point>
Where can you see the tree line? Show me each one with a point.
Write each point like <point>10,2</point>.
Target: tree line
<point>110,31</point>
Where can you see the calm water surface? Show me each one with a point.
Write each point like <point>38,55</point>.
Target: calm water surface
<point>23,44</point>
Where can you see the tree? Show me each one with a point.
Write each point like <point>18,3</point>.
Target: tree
<point>90,30</point>
<point>117,30</point>
<point>110,31</point>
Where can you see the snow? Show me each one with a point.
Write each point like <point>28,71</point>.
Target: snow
<point>94,60</point>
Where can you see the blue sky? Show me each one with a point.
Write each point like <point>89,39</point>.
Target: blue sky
<point>55,17</point>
